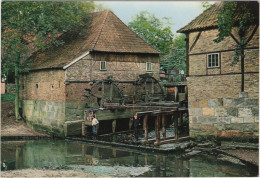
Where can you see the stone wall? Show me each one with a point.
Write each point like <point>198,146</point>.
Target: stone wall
<point>45,116</point>
<point>225,117</point>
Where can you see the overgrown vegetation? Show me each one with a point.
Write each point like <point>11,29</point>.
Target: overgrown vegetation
<point>7,97</point>
<point>29,26</point>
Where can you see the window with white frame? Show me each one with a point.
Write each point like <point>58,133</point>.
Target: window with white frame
<point>213,60</point>
<point>103,65</point>
<point>148,66</point>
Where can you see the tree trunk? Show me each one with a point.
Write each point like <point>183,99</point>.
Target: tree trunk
<point>16,75</point>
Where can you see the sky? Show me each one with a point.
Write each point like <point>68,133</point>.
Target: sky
<point>180,12</point>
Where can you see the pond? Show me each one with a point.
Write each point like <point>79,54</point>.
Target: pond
<point>113,161</point>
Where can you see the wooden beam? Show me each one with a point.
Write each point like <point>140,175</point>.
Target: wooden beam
<point>176,126</point>
<point>114,126</point>
<point>157,130</point>
<point>163,126</point>
<point>83,129</point>
<point>176,94</point>
<point>111,92</point>
<point>145,127</point>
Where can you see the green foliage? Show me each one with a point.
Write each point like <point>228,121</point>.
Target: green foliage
<point>7,97</point>
<point>28,26</point>
<point>157,32</point>
<point>177,58</point>
<point>205,5</point>
<point>240,15</point>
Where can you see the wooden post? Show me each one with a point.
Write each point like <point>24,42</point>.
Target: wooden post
<point>164,166</point>
<point>176,94</point>
<point>145,127</point>
<point>157,130</point>
<point>111,92</point>
<point>176,126</point>
<point>114,153</point>
<point>114,126</point>
<point>130,123</point>
<point>158,163</point>
<point>83,150</point>
<point>186,93</point>
<point>152,87</point>
<point>145,159</point>
<point>163,126</point>
<point>102,93</point>
<point>83,128</point>
<point>181,121</point>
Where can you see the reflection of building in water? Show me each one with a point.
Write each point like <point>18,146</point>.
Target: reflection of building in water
<point>46,154</point>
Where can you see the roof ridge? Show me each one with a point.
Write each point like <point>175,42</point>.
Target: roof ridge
<point>102,26</point>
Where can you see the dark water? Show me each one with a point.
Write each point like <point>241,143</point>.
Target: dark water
<point>111,161</point>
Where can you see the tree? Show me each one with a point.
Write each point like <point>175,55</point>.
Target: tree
<point>29,26</point>
<point>205,5</point>
<point>177,57</point>
<point>157,32</point>
<point>239,16</point>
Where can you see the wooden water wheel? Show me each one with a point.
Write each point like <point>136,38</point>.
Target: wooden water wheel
<point>148,89</point>
<point>106,91</point>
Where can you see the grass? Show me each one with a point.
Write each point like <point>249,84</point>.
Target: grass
<point>8,97</point>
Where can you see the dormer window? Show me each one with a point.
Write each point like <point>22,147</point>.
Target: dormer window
<point>103,65</point>
<point>148,66</point>
<point>213,60</point>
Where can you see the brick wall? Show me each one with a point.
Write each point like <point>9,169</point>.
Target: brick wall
<point>45,79</point>
<point>206,45</point>
<point>44,107</point>
<point>214,105</point>
<point>121,66</point>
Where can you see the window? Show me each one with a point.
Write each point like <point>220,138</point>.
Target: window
<point>103,65</point>
<point>22,87</point>
<point>148,66</point>
<point>213,60</point>
<point>37,85</point>
<point>52,87</point>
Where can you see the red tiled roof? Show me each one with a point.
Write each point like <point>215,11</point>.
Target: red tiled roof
<point>209,18</point>
<point>105,33</point>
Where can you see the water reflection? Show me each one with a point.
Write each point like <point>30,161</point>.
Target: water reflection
<point>52,154</point>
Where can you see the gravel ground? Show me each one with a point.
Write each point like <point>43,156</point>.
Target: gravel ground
<point>44,173</point>
<point>9,125</point>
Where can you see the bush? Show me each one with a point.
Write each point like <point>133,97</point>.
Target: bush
<point>8,97</point>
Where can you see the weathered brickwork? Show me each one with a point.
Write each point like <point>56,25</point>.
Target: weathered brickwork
<point>205,43</point>
<point>45,80</point>
<point>121,67</point>
<point>221,86</point>
<point>198,63</point>
<point>225,117</point>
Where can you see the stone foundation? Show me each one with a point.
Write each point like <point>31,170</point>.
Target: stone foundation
<point>44,116</point>
<point>225,117</point>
